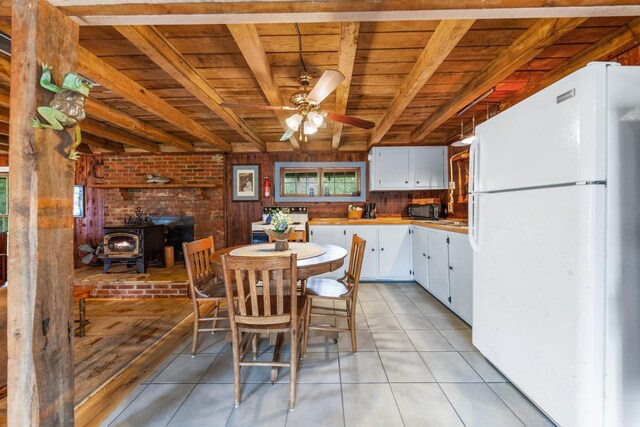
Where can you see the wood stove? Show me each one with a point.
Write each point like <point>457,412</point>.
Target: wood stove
<point>134,244</point>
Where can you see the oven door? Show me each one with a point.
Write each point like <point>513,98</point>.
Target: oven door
<point>259,237</point>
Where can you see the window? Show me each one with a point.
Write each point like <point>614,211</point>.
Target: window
<point>318,182</point>
<point>4,202</point>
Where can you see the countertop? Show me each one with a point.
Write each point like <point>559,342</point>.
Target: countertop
<point>457,226</point>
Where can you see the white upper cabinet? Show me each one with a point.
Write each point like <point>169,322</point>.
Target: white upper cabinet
<point>392,168</point>
<point>407,168</point>
<point>429,167</point>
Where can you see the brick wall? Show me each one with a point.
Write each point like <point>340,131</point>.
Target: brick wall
<point>205,204</point>
<point>139,290</point>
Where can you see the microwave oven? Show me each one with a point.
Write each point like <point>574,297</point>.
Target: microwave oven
<point>424,211</point>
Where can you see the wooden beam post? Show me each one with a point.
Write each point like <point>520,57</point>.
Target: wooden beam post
<point>40,314</point>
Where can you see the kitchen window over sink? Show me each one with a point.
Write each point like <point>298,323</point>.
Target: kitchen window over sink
<point>320,181</point>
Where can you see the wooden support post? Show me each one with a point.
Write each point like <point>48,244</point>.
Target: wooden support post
<point>40,317</point>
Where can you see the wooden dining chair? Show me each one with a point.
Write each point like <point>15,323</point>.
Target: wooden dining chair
<point>277,309</point>
<point>343,289</point>
<point>297,236</point>
<point>204,286</point>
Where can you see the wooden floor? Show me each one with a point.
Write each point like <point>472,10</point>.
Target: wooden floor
<point>125,340</point>
<point>120,273</point>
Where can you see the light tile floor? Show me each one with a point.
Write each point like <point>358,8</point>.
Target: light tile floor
<point>415,366</point>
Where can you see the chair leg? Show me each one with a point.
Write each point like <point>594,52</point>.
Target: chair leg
<point>305,332</point>
<point>235,344</point>
<point>196,325</point>
<point>352,326</point>
<point>293,369</point>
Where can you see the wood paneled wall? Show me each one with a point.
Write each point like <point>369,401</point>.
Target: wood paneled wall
<point>88,229</point>
<point>240,215</point>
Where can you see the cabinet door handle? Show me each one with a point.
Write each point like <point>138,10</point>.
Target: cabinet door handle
<point>450,268</point>
<point>373,250</point>
<point>406,182</point>
<point>417,182</point>
<point>428,257</point>
<point>382,249</point>
<point>424,254</point>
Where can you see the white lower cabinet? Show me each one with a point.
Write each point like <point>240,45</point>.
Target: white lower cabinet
<point>394,252</point>
<point>370,261</point>
<point>443,264</point>
<point>420,256</point>
<point>438,265</point>
<point>331,235</point>
<point>387,252</point>
<point>461,276</point>
<point>440,261</point>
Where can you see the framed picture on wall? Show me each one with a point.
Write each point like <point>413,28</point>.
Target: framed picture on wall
<point>245,183</point>
<point>78,201</point>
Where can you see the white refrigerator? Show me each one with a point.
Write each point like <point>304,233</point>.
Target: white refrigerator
<point>554,218</point>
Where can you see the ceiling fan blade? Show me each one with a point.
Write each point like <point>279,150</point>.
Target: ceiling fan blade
<point>349,120</point>
<point>257,107</point>
<point>288,134</point>
<point>328,83</point>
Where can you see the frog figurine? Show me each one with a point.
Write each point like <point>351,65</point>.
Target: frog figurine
<point>66,109</point>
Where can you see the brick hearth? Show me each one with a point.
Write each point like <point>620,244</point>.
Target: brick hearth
<point>205,204</point>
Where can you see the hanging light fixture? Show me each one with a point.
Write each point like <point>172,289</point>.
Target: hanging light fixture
<point>463,142</point>
<point>309,129</point>
<point>315,119</point>
<point>294,122</point>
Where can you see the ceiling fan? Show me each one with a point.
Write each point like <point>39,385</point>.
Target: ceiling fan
<point>308,117</point>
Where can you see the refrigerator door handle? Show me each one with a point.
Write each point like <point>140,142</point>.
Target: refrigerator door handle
<point>473,221</point>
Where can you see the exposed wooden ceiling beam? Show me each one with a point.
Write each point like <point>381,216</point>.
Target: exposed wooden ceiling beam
<point>164,12</point>
<point>102,143</point>
<point>444,39</point>
<point>96,128</point>
<point>103,112</point>
<point>628,33</point>
<point>346,59</point>
<point>98,110</point>
<point>247,39</point>
<point>540,35</point>
<point>156,46</point>
<point>101,72</point>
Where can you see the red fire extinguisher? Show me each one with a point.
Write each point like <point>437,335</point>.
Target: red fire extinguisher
<point>267,187</point>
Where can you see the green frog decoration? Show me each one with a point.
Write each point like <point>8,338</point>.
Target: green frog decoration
<point>66,109</point>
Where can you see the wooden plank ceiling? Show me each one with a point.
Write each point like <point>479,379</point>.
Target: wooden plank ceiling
<point>399,71</point>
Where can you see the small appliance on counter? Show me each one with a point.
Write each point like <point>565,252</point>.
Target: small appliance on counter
<point>369,210</point>
<point>424,211</point>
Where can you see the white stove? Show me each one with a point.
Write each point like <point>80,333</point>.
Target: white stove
<point>299,216</point>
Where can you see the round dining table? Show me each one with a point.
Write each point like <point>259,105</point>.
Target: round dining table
<point>330,260</point>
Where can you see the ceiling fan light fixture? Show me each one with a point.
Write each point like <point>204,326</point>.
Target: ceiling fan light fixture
<point>315,119</point>
<point>309,129</point>
<point>294,122</point>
